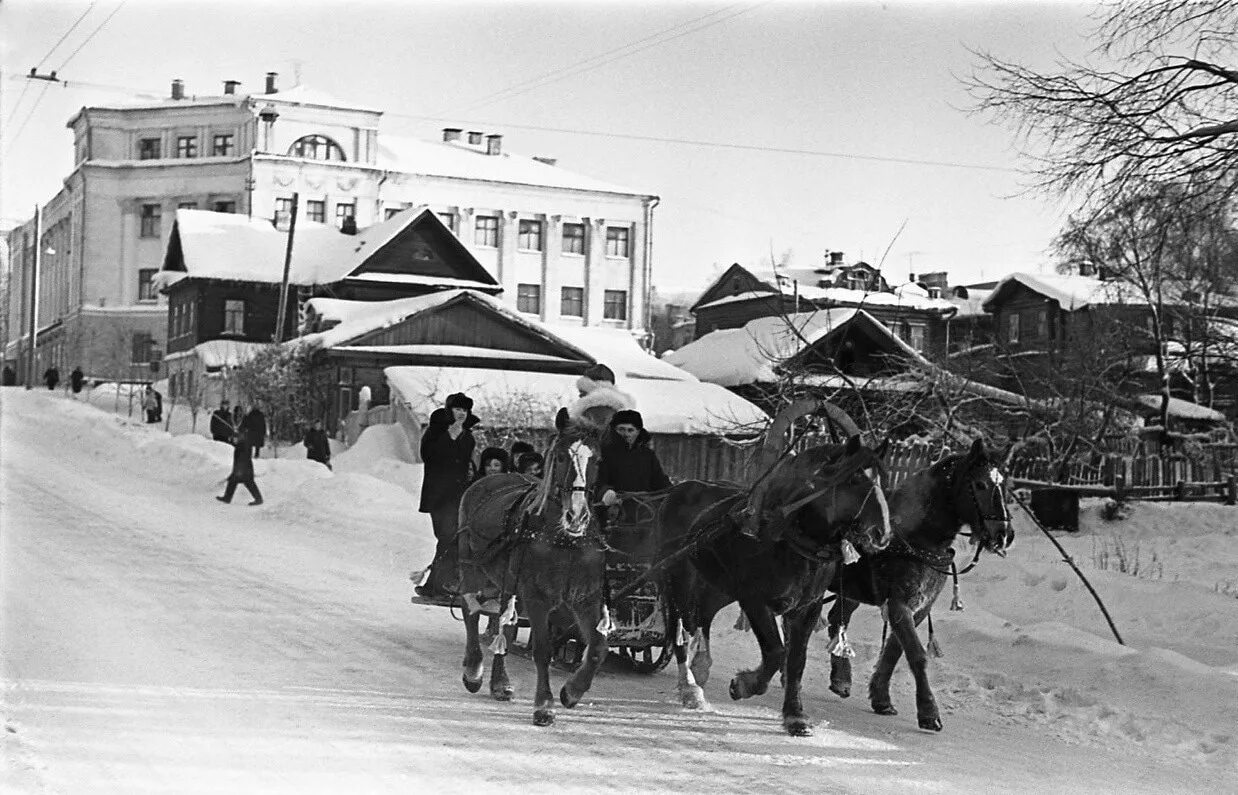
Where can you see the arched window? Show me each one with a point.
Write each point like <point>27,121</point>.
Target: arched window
<point>317,147</point>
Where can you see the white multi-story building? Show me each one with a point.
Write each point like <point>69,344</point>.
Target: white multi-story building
<point>565,247</point>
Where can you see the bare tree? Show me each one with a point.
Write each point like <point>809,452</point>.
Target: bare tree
<point>1156,102</point>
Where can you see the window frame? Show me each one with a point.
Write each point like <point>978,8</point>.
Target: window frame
<point>530,230</point>
<point>150,148</point>
<point>314,143</point>
<point>576,300</point>
<point>489,233</point>
<point>579,243</point>
<point>230,204</point>
<point>147,349</point>
<point>147,283</point>
<point>228,145</point>
<point>615,305</point>
<point>186,147</point>
<point>316,210</point>
<point>186,205</point>
<point>351,208</point>
<point>150,221</point>
<point>526,292</point>
<point>616,235</point>
<point>231,311</point>
<point>1012,327</point>
<point>283,211</point>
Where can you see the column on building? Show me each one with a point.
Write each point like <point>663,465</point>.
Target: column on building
<point>595,270</point>
<point>509,235</point>
<point>552,281</point>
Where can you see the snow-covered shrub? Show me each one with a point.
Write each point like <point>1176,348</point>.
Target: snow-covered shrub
<point>1114,510</point>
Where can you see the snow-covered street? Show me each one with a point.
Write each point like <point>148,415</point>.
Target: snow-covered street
<point>155,640</point>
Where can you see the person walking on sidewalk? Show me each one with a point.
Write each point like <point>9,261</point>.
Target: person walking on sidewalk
<point>447,451</point>
<point>242,470</point>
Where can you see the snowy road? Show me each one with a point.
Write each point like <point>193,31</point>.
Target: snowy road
<point>154,640</point>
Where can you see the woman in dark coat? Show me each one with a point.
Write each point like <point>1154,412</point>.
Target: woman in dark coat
<point>242,471</point>
<point>255,427</point>
<point>317,445</point>
<point>447,452</point>
<point>628,462</point>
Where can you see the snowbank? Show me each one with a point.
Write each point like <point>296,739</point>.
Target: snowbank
<point>382,451</point>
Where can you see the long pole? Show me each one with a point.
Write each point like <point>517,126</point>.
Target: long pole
<point>34,294</point>
<point>283,288</point>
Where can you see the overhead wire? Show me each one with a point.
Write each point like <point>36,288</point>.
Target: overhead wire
<point>72,28</point>
<point>93,33</point>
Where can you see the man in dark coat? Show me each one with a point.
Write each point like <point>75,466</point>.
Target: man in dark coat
<point>76,378</point>
<point>10,376</point>
<point>255,428</point>
<point>158,405</point>
<point>242,471</point>
<point>628,462</point>
<point>447,452</point>
<point>221,422</point>
<point>52,377</point>
<point>317,445</point>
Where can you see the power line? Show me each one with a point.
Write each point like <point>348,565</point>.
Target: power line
<point>557,74</point>
<point>17,104</point>
<point>72,28</point>
<point>92,35</point>
<point>29,115</point>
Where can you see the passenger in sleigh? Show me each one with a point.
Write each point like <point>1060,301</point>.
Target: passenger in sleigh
<point>628,463</point>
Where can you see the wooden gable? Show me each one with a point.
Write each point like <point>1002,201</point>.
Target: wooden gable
<point>468,322</point>
<point>861,346</point>
<point>425,248</point>
<point>735,280</point>
<point>1014,293</point>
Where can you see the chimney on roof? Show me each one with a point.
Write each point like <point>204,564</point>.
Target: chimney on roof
<point>475,137</point>
<point>836,259</point>
<point>178,89</point>
<point>451,134</point>
<point>271,82</point>
<point>348,225</point>
<point>550,161</point>
<point>494,144</point>
<point>230,86</point>
<point>937,283</point>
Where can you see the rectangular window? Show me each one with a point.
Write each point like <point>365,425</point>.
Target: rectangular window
<point>573,238</point>
<point>1012,327</point>
<point>225,207</point>
<point>149,148</point>
<point>486,231</point>
<point>152,214</point>
<point>143,345</point>
<point>572,303</point>
<point>916,338</point>
<point>221,145</point>
<point>283,213</point>
<point>616,241</point>
<point>448,220</point>
<point>187,146</point>
<point>316,210</point>
<point>1042,324</point>
<point>529,298</point>
<point>343,211</point>
<point>234,316</point>
<point>187,205</point>
<point>615,305</point>
<point>146,286</point>
<point>530,238</point>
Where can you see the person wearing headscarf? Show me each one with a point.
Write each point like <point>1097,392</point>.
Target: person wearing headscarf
<point>493,461</point>
<point>599,397</point>
<point>530,464</point>
<point>628,462</point>
<point>447,452</point>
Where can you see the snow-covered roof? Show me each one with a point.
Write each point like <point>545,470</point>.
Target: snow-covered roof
<point>1182,409</point>
<point>751,354</point>
<point>461,161</point>
<point>226,353</point>
<point>618,349</point>
<point>910,296</point>
<point>1071,291</point>
<point>687,407</point>
<point>232,246</point>
<point>973,304</point>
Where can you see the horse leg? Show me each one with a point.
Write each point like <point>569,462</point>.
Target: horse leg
<point>595,652</point>
<point>703,661</point>
<point>746,684</point>
<point>474,663</point>
<point>879,683</point>
<point>799,625</point>
<point>690,693</point>
<point>927,715</point>
<point>539,629</point>
<point>840,667</point>
<point>500,685</point>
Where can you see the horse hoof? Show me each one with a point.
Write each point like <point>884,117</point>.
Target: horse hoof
<point>567,699</point>
<point>543,718</point>
<point>797,727</point>
<point>471,685</point>
<point>502,693</point>
<point>929,723</point>
<point>741,689</point>
<point>885,709</point>
<point>693,698</point>
<point>841,690</point>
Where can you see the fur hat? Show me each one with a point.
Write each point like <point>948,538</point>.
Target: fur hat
<point>493,454</point>
<point>630,417</point>
<point>459,400</point>
<point>596,376</point>
<point>599,405</point>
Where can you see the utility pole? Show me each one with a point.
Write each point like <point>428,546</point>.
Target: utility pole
<point>283,288</point>
<point>34,294</point>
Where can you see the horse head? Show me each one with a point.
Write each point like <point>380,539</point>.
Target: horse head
<point>570,471</point>
<point>978,491</point>
<point>847,493</point>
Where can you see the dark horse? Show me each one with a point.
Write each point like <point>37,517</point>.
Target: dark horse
<point>927,510</point>
<point>540,542</point>
<point>828,495</point>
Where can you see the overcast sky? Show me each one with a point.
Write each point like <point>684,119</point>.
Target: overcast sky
<point>862,79</point>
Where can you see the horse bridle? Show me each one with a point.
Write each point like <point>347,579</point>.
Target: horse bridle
<point>986,521</point>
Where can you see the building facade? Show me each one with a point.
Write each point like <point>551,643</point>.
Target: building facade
<point>565,247</point>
